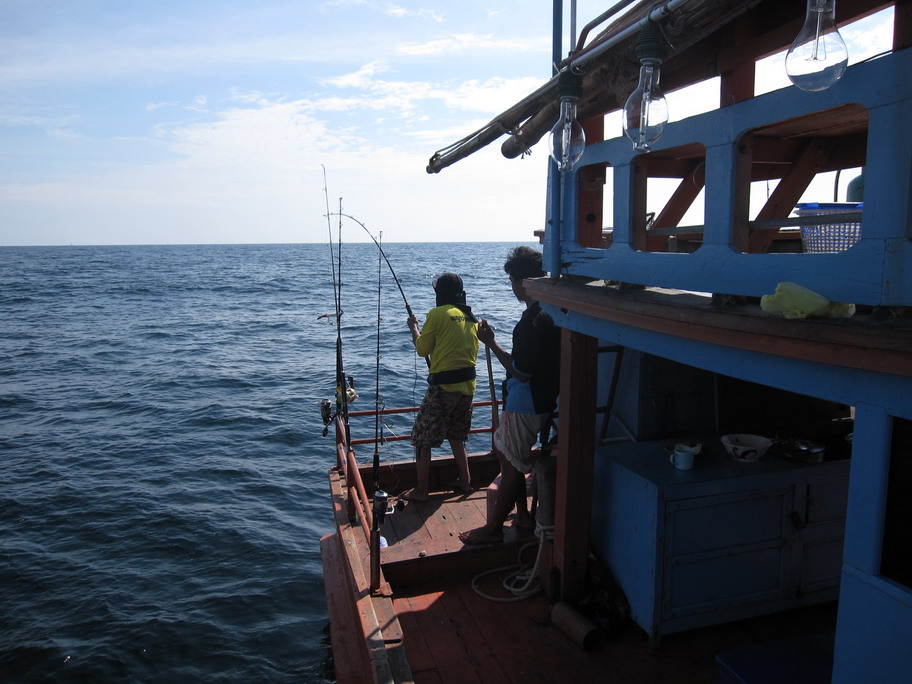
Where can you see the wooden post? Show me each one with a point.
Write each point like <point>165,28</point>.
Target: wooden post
<point>575,457</point>
<point>589,221</point>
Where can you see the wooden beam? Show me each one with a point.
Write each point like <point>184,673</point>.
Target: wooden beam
<point>638,193</point>
<point>575,458</point>
<point>677,205</point>
<point>589,217</point>
<point>790,189</point>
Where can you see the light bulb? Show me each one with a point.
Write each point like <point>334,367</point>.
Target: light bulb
<point>646,111</point>
<point>818,57</point>
<point>567,140</point>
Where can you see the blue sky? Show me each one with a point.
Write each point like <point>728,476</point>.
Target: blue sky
<point>210,121</point>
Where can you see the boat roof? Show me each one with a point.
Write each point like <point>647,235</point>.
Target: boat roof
<point>705,38</point>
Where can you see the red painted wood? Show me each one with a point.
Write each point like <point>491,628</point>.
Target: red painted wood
<point>348,645</point>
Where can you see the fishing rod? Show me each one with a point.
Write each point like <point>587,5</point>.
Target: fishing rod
<point>385,258</point>
<point>345,392</point>
<point>337,284</point>
<point>408,309</point>
<point>377,389</point>
<point>380,498</point>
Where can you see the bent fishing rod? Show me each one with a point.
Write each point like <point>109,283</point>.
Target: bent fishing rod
<point>408,309</point>
<point>385,258</point>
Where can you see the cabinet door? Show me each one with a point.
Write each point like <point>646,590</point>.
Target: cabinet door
<point>727,550</point>
<point>821,533</point>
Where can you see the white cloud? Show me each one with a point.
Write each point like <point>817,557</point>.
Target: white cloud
<point>65,134</point>
<point>153,106</point>
<point>362,78</point>
<point>199,104</point>
<point>465,42</point>
<point>401,12</point>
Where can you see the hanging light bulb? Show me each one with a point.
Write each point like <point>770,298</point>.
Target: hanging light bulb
<point>818,57</point>
<point>567,140</point>
<point>646,111</point>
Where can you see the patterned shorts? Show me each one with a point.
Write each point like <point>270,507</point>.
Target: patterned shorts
<point>442,415</point>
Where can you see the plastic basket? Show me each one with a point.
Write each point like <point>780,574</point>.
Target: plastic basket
<point>829,237</point>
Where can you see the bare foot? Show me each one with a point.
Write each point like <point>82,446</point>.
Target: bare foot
<point>481,536</point>
<point>525,523</point>
<point>457,486</point>
<point>413,495</point>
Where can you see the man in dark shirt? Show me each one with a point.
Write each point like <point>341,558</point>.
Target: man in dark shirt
<point>530,396</point>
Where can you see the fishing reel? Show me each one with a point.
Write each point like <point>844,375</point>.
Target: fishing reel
<point>326,411</point>
<point>326,408</point>
<point>380,506</point>
<point>350,394</point>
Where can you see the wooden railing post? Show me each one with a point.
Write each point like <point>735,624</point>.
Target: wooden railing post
<point>575,459</point>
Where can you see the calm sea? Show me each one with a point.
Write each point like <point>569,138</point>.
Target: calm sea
<point>163,483</point>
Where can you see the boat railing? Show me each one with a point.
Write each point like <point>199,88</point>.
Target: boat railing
<point>721,159</point>
<point>359,501</point>
<point>409,409</point>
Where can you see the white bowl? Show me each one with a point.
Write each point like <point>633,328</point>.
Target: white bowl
<point>746,448</point>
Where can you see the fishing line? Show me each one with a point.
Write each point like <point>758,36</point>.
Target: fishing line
<point>408,308</point>
<point>383,254</point>
<point>337,293</point>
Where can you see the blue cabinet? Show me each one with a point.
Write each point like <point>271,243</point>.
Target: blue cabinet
<point>721,542</point>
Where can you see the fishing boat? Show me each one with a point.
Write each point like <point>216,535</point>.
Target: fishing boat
<point>730,484</point>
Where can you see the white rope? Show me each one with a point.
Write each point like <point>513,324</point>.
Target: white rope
<point>523,574</point>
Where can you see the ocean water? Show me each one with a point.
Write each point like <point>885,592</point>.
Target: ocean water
<point>163,484</point>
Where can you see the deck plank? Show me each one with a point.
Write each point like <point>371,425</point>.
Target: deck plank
<point>419,652</point>
<point>451,659</point>
<point>478,650</point>
<point>517,633</point>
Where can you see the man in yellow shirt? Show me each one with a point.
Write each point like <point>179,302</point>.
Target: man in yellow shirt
<point>450,338</point>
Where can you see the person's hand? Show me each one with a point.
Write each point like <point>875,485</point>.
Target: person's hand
<point>413,322</point>
<point>485,332</point>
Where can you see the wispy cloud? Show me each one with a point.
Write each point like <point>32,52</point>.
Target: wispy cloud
<point>423,13</point>
<point>154,106</point>
<point>464,42</point>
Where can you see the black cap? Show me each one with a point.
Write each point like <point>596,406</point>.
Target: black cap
<point>449,289</point>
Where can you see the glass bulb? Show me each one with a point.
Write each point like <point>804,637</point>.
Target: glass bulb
<point>646,111</point>
<point>818,57</point>
<point>568,140</point>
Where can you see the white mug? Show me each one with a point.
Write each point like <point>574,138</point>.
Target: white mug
<point>682,457</point>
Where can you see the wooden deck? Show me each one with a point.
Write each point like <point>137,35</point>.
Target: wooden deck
<point>454,635</point>
<point>429,624</point>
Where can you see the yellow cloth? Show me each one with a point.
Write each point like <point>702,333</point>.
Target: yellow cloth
<point>797,301</point>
